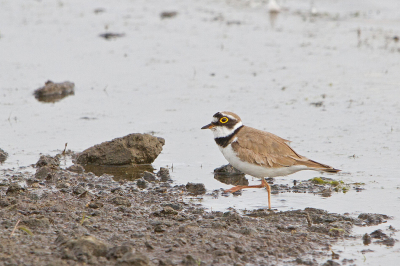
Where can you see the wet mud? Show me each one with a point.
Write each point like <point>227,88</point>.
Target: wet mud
<point>70,218</point>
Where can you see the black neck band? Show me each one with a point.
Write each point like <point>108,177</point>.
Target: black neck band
<point>224,141</point>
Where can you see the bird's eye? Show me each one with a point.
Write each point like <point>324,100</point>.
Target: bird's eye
<point>223,120</point>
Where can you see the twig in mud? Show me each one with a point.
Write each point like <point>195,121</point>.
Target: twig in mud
<point>15,227</point>
<point>63,153</point>
<point>309,221</point>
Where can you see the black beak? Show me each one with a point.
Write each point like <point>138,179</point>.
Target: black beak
<point>209,126</point>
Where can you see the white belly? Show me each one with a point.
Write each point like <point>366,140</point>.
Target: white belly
<point>257,170</point>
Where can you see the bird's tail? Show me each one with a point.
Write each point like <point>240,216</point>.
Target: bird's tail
<point>321,167</point>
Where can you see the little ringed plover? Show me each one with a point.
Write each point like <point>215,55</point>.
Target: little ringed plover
<point>258,153</point>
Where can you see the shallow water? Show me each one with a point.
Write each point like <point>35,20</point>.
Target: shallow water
<point>328,82</point>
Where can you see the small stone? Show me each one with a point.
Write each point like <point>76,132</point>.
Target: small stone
<point>78,190</point>
<point>149,177</point>
<point>47,160</point>
<point>119,251</point>
<point>95,205</point>
<point>331,263</point>
<point>196,188</point>
<point>159,228</point>
<point>164,175</point>
<point>37,222</point>
<point>240,250</point>
<point>3,156</point>
<point>120,201</point>
<point>189,261</point>
<point>378,234</point>
<point>373,218</point>
<point>168,14</point>
<point>63,185</point>
<point>52,92</point>
<point>366,239</point>
<point>175,206</point>
<point>87,246</point>
<point>388,242</point>
<point>134,259</point>
<point>166,211</point>
<point>148,245</point>
<point>116,190</point>
<point>141,183</point>
<point>45,173</point>
<point>35,185</point>
<point>4,203</point>
<point>14,189</point>
<point>166,262</point>
<point>76,168</point>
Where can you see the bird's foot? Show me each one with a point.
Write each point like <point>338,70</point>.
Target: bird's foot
<point>234,189</point>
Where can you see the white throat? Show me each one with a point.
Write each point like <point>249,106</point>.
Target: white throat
<point>220,132</point>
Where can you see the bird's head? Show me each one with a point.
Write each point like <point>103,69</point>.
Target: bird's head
<point>224,124</point>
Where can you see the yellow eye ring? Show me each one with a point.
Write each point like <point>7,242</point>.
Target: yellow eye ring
<point>223,120</point>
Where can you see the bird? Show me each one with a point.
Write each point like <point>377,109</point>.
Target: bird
<point>258,153</point>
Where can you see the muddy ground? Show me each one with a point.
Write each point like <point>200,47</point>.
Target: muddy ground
<point>68,218</point>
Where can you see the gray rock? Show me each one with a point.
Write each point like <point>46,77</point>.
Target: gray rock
<point>132,149</point>
<point>3,156</point>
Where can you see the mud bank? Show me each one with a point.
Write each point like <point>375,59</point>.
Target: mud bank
<point>73,218</point>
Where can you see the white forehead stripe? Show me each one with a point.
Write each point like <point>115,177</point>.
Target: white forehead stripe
<point>229,116</point>
<point>215,119</point>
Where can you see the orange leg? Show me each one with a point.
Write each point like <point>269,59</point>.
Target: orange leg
<point>263,184</point>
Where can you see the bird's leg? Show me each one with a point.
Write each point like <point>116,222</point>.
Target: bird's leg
<point>263,184</point>
<point>268,187</point>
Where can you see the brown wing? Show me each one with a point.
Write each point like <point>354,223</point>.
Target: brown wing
<point>266,149</point>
